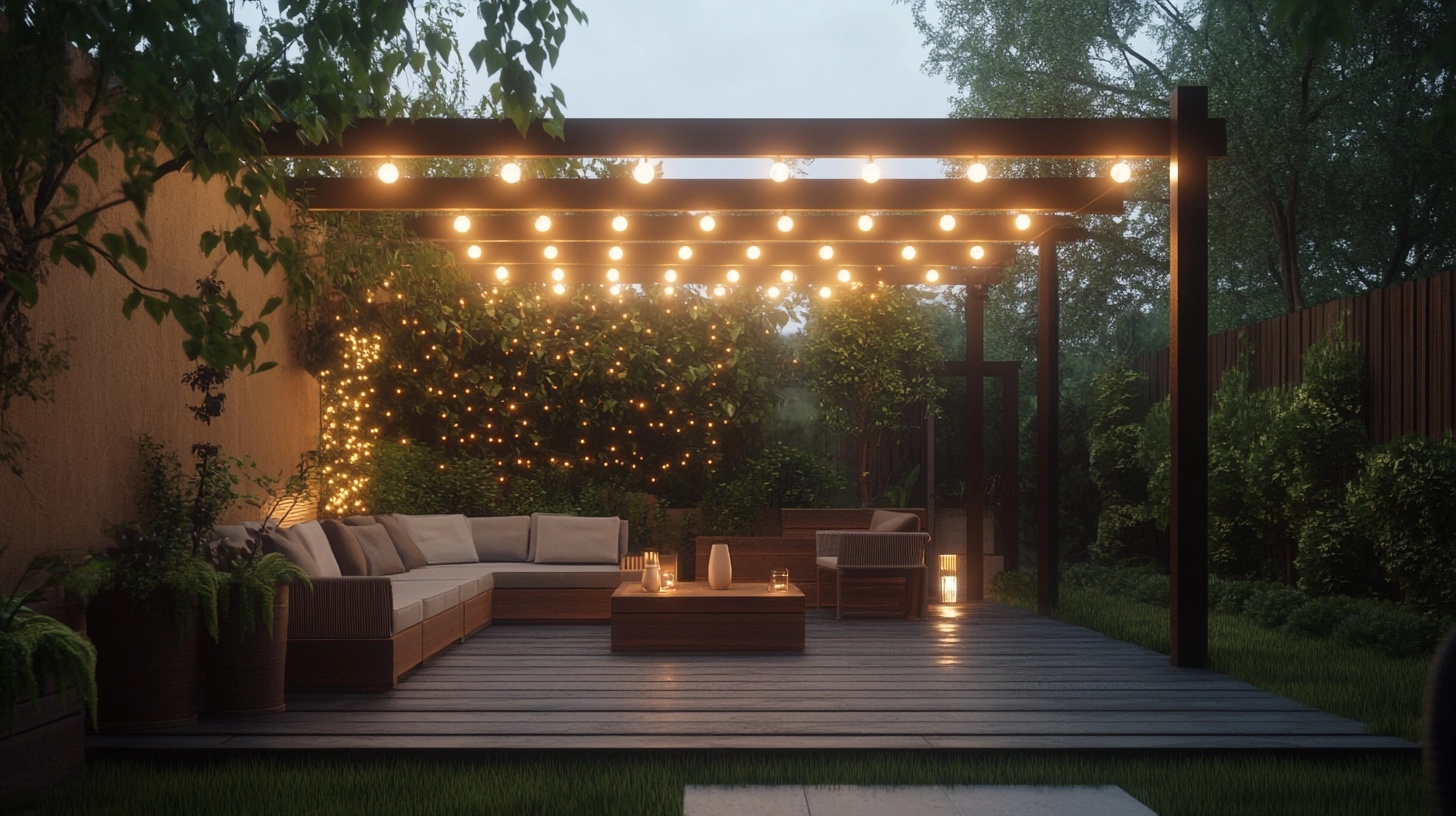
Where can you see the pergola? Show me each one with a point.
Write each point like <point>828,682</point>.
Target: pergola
<point>764,233</point>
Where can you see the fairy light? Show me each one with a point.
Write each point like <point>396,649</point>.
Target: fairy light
<point>785,223</point>
<point>510,172</point>
<point>706,223</point>
<point>474,252</point>
<point>978,252</point>
<point>826,252</point>
<point>866,223</point>
<point>947,222</point>
<point>754,253</point>
<point>345,443</point>
<point>543,223</point>
<point>619,223</point>
<point>977,172</point>
<point>843,276</point>
<point>1023,221</point>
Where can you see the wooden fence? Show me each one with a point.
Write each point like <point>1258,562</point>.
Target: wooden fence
<point>1405,334</point>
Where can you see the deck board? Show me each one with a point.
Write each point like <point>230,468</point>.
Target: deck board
<point>992,678</point>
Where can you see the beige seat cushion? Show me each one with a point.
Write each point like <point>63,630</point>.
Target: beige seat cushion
<point>471,579</point>
<point>406,613</point>
<point>434,596</point>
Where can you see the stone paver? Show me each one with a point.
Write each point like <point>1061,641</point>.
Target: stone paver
<point>916,800</point>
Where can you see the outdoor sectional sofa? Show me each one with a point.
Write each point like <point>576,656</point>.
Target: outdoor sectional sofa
<point>390,592</point>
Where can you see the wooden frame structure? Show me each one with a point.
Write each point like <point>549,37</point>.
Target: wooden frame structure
<point>666,210</point>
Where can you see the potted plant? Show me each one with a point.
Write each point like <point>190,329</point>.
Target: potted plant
<point>148,592</point>
<point>47,674</point>
<point>243,668</point>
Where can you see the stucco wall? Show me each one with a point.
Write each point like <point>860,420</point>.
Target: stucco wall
<point>125,380</point>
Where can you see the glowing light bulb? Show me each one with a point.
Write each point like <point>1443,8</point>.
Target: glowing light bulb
<point>870,172</point>
<point>510,172</point>
<point>1121,172</point>
<point>720,290</point>
<point>388,172</point>
<point>787,276</point>
<point>685,252</point>
<point>474,252</point>
<point>559,288</point>
<point>785,223</point>
<point>550,252</point>
<point>670,276</point>
<point>779,171</point>
<point>644,172</point>
<point>908,253</point>
<point>668,290</point>
<point>825,292</point>
<point>866,223</point>
<point>616,289</point>
<point>932,275</point>
<point>543,223</point>
<point>826,252</point>
<point>462,223</point>
<point>620,223</point>
<point>707,223</point>
<point>613,275</point>
<point>733,276</point>
<point>978,252</point>
<point>558,274</point>
<point>501,273</point>
<point>754,253</point>
<point>1023,221</point>
<point>772,293</point>
<point>947,222</point>
<point>615,253</point>
<point>843,276</point>
<point>977,172</point>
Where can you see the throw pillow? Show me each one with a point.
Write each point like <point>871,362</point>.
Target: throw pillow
<point>885,521</point>
<point>378,549</point>
<point>311,533</point>
<point>409,552</point>
<point>443,539</point>
<point>575,539</point>
<point>346,547</point>
<point>279,541</point>
<point>501,538</point>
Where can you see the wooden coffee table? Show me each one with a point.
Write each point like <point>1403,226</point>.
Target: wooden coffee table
<point>694,618</point>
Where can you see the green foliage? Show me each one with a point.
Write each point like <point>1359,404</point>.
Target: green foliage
<point>1015,587</point>
<point>1229,597</point>
<point>251,580</point>
<point>1125,532</point>
<point>1239,546</point>
<point>1125,536</point>
<point>646,517</point>
<point>35,648</point>
<point>1405,493</point>
<point>1272,604</point>
<point>1388,629</point>
<point>869,355</point>
<point>776,476</point>
<point>1337,555</point>
<point>420,481</point>
<point>1318,617</point>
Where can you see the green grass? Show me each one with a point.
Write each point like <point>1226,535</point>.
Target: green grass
<point>645,785</point>
<point>1383,692</point>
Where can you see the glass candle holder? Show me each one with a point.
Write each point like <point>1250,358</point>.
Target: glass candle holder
<point>669,580</point>
<point>778,580</point>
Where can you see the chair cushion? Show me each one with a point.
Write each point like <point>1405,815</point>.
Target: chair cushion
<point>279,541</point>
<point>575,539</point>
<point>407,612</point>
<point>443,539</point>
<point>379,551</point>
<point>887,521</point>
<point>470,579</point>
<point>311,534</point>
<point>827,562</point>
<point>409,554</point>
<point>347,550</point>
<point>501,538</point>
<point>434,596</point>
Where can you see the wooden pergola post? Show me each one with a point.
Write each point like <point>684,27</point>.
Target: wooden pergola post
<point>1048,397</point>
<point>1188,376</point>
<point>973,583</point>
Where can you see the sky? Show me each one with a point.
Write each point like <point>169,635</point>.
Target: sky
<point>751,59</point>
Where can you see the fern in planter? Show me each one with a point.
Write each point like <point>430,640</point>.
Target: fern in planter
<point>36,648</point>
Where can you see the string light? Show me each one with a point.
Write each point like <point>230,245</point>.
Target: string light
<point>843,276</point>
<point>613,275</point>
<point>1023,221</point>
<point>947,222</point>
<point>908,253</point>
<point>754,253</point>
<point>1121,172</point>
<point>866,223</point>
<point>510,172</point>
<point>932,275</point>
<point>870,172</point>
<point>978,252</point>
<point>720,290</point>
<point>772,293</point>
<point>543,223</point>
<point>615,253</point>
<point>559,288</point>
<point>550,252</point>
<point>644,172</point>
<point>670,276</point>
<point>558,274</point>
<point>787,276</point>
<point>619,223</point>
<point>785,223</point>
<point>779,171</point>
<point>826,252</point>
<point>388,172</point>
<point>733,276</point>
<point>462,223</point>
<point>825,292</point>
<point>501,273</point>
<point>977,172</point>
<point>706,223</point>
<point>474,252</point>
<point>685,252</point>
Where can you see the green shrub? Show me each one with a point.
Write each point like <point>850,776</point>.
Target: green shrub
<point>1337,554</point>
<point>1386,628</point>
<point>1319,617</point>
<point>778,476</point>
<point>1271,605</point>
<point>1152,589</point>
<point>420,481</point>
<point>1125,536</point>
<point>1405,491</point>
<point>1228,596</point>
<point>1015,587</point>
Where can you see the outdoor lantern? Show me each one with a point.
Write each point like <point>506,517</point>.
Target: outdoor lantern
<point>778,580</point>
<point>948,578</point>
<point>651,572</point>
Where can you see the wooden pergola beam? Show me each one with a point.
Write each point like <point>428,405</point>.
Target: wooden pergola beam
<point>1064,195</point>
<point>735,255</point>
<point>747,227</point>
<point>749,138</point>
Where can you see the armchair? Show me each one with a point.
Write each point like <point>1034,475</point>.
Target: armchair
<point>877,571</point>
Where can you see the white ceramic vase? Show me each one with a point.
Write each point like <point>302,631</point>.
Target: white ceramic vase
<point>720,567</point>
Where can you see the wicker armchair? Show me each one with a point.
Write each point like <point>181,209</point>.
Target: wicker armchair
<point>876,572</point>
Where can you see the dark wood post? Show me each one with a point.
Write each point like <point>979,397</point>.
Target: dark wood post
<point>1048,397</point>
<point>1010,467</point>
<point>1188,376</point>
<point>972,583</point>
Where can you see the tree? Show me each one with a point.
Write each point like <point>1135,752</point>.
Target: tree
<point>190,89</point>
<point>1328,187</point>
<point>870,354</point>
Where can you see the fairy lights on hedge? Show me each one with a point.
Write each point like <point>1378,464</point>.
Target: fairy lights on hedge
<point>347,395</point>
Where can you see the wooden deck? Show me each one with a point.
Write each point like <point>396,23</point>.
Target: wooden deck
<point>992,678</point>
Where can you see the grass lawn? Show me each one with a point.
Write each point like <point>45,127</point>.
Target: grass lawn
<point>645,785</point>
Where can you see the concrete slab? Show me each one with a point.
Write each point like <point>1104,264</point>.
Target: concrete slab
<point>755,800</point>
<point>1020,800</point>
<point>910,800</point>
<point>862,800</point>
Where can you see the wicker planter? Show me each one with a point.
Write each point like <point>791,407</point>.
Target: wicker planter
<point>243,676</point>
<point>146,669</point>
<point>45,744</point>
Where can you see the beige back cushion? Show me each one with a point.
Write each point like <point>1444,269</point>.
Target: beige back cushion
<point>279,541</point>
<point>313,537</point>
<point>443,539</point>
<point>379,550</point>
<point>575,539</point>
<point>888,521</point>
<point>502,538</point>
